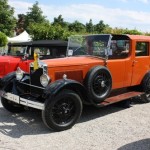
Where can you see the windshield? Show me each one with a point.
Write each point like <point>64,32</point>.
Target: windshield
<point>96,45</point>
<point>17,50</point>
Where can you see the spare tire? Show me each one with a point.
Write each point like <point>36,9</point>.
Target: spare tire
<point>98,82</point>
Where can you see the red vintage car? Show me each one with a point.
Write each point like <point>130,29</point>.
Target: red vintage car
<point>21,54</point>
<point>99,70</point>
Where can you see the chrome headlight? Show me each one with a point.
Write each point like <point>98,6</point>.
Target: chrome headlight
<point>19,74</point>
<point>44,79</point>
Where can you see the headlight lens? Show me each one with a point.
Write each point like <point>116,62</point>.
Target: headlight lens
<point>19,74</point>
<point>44,79</point>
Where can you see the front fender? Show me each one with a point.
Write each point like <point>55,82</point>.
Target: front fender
<point>51,90</point>
<point>6,79</point>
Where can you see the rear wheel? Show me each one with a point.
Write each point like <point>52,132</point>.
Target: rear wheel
<point>146,88</point>
<point>63,111</point>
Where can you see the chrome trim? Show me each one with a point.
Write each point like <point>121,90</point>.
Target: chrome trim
<point>32,85</point>
<point>17,99</point>
<point>41,65</point>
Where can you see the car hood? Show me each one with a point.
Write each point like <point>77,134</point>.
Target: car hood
<point>73,61</point>
<point>8,64</point>
<point>9,58</point>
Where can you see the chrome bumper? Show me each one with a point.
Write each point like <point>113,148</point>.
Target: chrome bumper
<point>22,101</point>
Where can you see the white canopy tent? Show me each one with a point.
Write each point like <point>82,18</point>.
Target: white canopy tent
<point>23,37</point>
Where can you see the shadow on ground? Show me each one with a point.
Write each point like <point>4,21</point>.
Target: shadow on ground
<point>30,122</point>
<point>138,145</point>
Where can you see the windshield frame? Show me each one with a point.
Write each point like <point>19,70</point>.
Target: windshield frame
<point>102,40</point>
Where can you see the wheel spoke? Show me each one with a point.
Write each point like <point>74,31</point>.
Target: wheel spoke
<point>101,83</point>
<point>63,111</point>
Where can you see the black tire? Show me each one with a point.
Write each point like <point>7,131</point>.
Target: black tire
<point>63,111</point>
<point>145,98</point>
<point>11,106</point>
<point>98,83</point>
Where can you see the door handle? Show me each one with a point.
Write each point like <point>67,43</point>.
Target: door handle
<point>134,61</point>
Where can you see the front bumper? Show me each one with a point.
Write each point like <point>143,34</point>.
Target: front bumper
<point>22,101</point>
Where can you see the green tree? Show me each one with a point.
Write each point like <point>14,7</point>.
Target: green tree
<point>60,21</point>
<point>35,15</point>
<point>133,31</point>
<point>3,39</point>
<point>100,27</point>
<point>89,27</point>
<point>43,31</point>
<point>7,20</point>
<point>76,26</point>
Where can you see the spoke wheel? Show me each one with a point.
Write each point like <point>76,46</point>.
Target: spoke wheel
<point>98,82</point>
<point>101,83</point>
<point>146,88</point>
<point>63,111</point>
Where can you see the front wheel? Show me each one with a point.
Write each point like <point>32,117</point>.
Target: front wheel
<point>63,111</point>
<point>11,106</point>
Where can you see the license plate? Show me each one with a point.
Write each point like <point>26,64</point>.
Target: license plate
<point>11,97</point>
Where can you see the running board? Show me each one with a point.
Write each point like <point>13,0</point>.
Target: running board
<point>118,98</point>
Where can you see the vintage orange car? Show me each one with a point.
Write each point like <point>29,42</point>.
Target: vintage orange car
<point>99,70</point>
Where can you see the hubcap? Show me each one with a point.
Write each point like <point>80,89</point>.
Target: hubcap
<point>63,111</point>
<point>101,83</point>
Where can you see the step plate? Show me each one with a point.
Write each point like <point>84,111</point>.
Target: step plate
<point>118,98</point>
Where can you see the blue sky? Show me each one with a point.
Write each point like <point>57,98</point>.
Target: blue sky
<point>132,14</point>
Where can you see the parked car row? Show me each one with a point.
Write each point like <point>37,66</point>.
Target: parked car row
<point>96,70</point>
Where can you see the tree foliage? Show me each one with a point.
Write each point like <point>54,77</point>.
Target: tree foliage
<point>35,15</point>
<point>77,26</point>
<point>7,20</point>
<point>3,39</point>
<point>39,27</point>
<point>89,27</point>
<point>46,31</point>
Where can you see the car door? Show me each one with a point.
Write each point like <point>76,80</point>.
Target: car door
<point>141,61</point>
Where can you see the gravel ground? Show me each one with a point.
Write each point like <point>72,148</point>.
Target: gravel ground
<point>108,128</point>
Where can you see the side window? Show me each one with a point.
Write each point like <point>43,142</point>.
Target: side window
<point>141,49</point>
<point>119,49</point>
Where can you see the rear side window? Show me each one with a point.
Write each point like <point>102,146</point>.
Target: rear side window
<point>142,49</point>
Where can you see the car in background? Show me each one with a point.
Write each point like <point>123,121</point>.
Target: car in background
<point>21,54</point>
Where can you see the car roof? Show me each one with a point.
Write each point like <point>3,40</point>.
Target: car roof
<point>41,43</point>
<point>139,37</point>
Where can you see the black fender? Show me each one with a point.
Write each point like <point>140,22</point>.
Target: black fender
<point>54,88</point>
<point>6,79</point>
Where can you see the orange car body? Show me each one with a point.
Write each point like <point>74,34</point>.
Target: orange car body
<point>128,71</point>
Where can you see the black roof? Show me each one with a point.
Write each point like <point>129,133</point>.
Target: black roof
<point>41,43</point>
<point>20,44</point>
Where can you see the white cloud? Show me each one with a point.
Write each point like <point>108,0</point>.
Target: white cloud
<point>143,1</point>
<point>85,12</point>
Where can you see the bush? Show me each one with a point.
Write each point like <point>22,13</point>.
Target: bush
<point>3,39</point>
